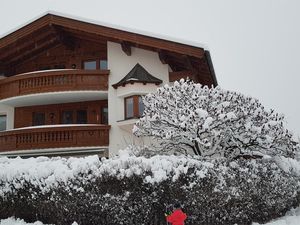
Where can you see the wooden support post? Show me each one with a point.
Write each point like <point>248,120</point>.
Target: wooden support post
<point>126,47</point>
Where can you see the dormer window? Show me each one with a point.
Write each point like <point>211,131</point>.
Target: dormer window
<point>134,107</point>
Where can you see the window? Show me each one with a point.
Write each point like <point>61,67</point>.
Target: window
<point>103,64</point>
<point>90,65</point>
<point>134,107</point>
<point>104,115</point>
<point>129,107</point>
<point>38,119</point>
<point>67,117</point>
<point>81,117</point>
<point>95,64</point>
<point>2,122</point>
<point>141,106</point>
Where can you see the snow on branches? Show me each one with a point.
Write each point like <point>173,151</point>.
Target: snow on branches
<point>212,122</point>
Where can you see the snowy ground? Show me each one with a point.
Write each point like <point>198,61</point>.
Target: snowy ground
<point>13,221</point>
<point>291,218</point>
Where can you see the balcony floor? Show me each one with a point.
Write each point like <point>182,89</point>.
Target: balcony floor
<point>54,98</point>
<point>101,151</point>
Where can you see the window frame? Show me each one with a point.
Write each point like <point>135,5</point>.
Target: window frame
<point>98,63</point>
<point>102,115</point>
<point>135,105</point>
<point>62,116</point>
<point>34,120</point>
<point>77,117</point>
<point>4,115</point>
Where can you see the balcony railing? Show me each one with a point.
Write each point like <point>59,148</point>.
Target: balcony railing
<point>173,76</point>
<point>57,136</point>
<point>53,81</point>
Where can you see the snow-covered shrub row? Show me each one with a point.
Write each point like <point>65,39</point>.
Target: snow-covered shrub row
<point>136,190</point>
<point>189,117</point>
<point>48,173</point>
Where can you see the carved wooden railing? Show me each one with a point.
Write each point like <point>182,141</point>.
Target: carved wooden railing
<point>54,137</point>
<point>52,81</point>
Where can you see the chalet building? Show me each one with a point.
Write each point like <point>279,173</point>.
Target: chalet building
<point>74,87</point>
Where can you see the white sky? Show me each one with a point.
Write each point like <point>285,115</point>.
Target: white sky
<point>254,44</point>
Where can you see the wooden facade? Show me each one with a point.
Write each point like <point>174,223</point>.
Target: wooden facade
<point>53,114</point>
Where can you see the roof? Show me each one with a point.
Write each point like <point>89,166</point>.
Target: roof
<point>52,19</point>
<point>52,29</point>
<point>138,74</point>
<point>105,24</point>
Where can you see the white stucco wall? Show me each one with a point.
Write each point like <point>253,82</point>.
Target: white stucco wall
<point>119,65</point>
<point>9,112</point>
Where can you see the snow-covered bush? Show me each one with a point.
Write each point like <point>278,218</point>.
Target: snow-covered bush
<point>135,190</point>
<point>212,121</point>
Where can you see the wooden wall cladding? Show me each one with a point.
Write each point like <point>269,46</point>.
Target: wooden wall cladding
<point>62,55</point>
<point>53,112</point>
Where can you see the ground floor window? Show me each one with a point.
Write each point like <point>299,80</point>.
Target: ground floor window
<point>134,107</point>
<point>67,117</point>
<point>2,122</point>
<point>81,116</point>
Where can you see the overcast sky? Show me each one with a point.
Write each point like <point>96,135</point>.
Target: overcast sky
<point>254,44</point>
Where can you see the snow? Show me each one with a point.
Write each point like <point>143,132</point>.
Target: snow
<point>44,71</point>
<point>45,172</point>
<point>291,218</point>
<point>96,22</point>
<point>13,221</point>
<point>48,172</point>
<point>56,125</point>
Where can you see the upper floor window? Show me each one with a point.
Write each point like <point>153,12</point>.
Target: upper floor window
<point>38,119</point>
<point>134,107</point>
<point>2,122</point>
<point>103,64</point>
<point>90,65</point>
<point>129,107</point>
<point>95,64</point>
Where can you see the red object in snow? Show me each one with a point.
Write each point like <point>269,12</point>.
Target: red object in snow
<point>177,217</point>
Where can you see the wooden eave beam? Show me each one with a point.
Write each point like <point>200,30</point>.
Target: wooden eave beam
<point>126,47</point>
<point>187,62</point>
<point>162,57</point>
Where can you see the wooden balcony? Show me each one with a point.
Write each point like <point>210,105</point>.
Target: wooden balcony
<point>53,81</point>
<point>56,136</point>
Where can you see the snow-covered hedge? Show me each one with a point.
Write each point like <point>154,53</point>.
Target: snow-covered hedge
<point>135,190</point>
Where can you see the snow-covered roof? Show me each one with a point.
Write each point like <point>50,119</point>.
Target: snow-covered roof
<point>101,23</point>
<point>138,74</point>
